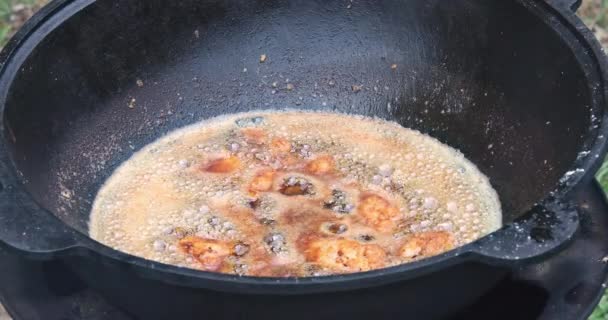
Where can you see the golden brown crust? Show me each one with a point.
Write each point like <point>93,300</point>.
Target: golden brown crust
<point>342,255</point>
<point>426,244</point>
<point>210,253</point>
<point>262,182</point>
<point>223,165</point>
<point>321,165</point>
<point>296,190</point>
<point>378,212</point>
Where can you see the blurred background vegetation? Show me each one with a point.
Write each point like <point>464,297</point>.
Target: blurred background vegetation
<point>13,13</point>
<point>595,15</point>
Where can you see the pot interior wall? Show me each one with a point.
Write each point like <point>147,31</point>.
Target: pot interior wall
<point>510,95</point>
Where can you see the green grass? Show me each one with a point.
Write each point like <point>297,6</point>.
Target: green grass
<point>595,13</point>
<point>602,176</point>
<point>6,9</point>
<point>601,312</point>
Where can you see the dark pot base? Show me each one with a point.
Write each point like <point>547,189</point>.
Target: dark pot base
<point>427,297</point>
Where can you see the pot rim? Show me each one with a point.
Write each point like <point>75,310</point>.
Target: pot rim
<point>570,29</point>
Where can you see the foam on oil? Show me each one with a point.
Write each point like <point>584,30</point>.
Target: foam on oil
<point>168,193</point>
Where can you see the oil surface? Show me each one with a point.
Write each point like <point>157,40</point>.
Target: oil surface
<point>293,193</point>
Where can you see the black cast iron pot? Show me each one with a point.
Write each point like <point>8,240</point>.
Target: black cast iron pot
<point>517,85</point>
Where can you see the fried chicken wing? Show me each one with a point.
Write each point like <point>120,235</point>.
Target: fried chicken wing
<point>321,165</point>
<point>427,244</point>
<point>263,181</point>
<point>378,212</point>
<point>210,253</point>
<point>342,255</point>
<point>223,165</point>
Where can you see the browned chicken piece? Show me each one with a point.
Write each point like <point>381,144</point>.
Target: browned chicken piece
<point>275,271</point>
<point>427,244</point>
<point>342,255</point>
<point>296,190</point>
<point>378,212</point>
<point>263,181</point>
<point>321,165</point>
<point>224,165</point>
<point>254,136</point>
<point>210,253</point>
<point>280,146</point>
<point>281,150</point>
<point>296,186</point>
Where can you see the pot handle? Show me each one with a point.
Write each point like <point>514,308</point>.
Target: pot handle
<point>572,4</point>
<point>543,231</point>
<point>30,229</point>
